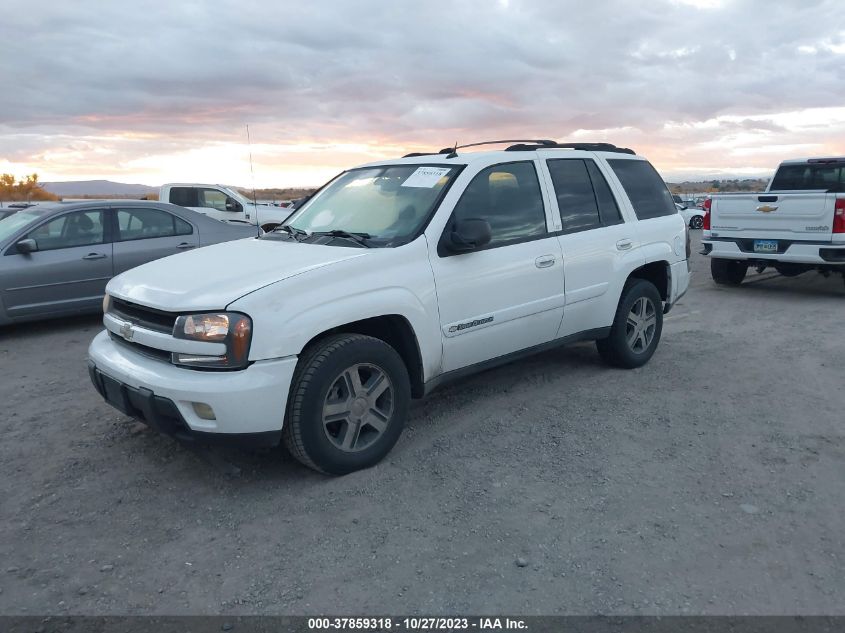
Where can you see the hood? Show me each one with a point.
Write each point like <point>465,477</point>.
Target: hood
<point>212,277</point>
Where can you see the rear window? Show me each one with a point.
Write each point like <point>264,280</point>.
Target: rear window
<point>830,177</point>
<point>645,188</point>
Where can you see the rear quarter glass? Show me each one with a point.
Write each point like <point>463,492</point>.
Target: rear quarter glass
<point>645,188</point>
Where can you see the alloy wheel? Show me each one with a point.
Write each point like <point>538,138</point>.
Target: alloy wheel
<point>641,325</point>
<point>358,407</point>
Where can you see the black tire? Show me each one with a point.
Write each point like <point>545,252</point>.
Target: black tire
<point>696,222</point>
<point>616,350</point>
<point>319,369</point>
<point>728,272</point>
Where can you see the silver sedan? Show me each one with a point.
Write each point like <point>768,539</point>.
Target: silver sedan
<point>56,259</point>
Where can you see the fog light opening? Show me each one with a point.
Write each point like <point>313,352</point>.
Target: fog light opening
<point>203,410</point>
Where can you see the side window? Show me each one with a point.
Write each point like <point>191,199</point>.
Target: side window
<point>141,224</point>
<point>508,197</point>
<point>81,228</point>
<point>182,227</point>
<point>212,198</point>
<point>183,196</point>
<point>645,188</point>
<point>575,198</point>
<point>608,209</point>
<point>583,196</point>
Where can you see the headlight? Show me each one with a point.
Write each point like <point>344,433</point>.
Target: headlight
<point>106,303</point>
<point>231,328</point>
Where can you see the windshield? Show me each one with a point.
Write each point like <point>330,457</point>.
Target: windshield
<point>11,224</point>
<point>387,204</point>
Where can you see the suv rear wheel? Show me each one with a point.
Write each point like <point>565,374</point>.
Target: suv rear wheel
<point>728,272</point>
<point>347,405</point>
<point>636,327</point>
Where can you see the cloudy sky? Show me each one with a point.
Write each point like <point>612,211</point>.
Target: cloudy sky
<point>151,92</point>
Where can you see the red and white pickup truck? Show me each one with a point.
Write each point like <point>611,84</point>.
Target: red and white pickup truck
<point>796,225</point>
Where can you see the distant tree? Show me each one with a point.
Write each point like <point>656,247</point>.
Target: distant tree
<point>25,190</point>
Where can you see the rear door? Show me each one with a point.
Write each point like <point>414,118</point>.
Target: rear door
<point>778,215</point>
<point>596,242</point>
<point>69,271</point>
<point>143,234</point>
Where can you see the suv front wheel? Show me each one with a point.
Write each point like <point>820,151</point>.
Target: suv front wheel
<point>347,405</point>
<point>636,327</point>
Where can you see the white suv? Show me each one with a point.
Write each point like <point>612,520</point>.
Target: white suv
<point>392,279</point>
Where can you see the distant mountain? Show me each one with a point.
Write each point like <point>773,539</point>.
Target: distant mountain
<point>102,188</point>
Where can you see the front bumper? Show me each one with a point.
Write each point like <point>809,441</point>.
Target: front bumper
<point>247,402</point>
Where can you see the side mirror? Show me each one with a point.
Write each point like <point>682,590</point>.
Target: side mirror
<point>27,246</point>
<point>469,235</point>
<point>233,205</point>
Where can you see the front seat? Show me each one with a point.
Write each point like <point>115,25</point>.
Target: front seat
<point>81,231</point>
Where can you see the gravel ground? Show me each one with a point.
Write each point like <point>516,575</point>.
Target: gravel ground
<point>709,481</point>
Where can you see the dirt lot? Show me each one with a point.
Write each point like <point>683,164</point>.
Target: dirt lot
<point>710,481</point>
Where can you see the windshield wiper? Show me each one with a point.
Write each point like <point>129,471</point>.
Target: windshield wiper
<point>358,238</point>
<point>295,233</point>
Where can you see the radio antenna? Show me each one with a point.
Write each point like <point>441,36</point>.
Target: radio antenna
<point>251,172</point>
<point>252,176</point>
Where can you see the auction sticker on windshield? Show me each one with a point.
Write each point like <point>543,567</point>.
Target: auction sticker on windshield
<point>426,177</point>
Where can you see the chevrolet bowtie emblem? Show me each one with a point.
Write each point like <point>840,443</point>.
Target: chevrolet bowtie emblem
<point>126,331</point>
<point>765,208</point>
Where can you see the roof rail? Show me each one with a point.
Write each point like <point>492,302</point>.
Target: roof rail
<point>529,145</point>
<point>543,142</point>
<point>445,150</point>
<point>589,147</point>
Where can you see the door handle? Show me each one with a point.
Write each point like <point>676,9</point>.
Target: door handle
<point>94,256</point>
<point>544,261</point>
<point>624,245</point>
<point>185,245</point>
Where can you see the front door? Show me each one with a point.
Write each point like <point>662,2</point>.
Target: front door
<point>69,271</point>
<point>216,204</point>
<point>507,296</point>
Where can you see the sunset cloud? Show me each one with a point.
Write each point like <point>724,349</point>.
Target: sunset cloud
<point>163,91</point>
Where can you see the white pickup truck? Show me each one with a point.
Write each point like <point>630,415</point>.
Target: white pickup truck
<point>796,225</point>
<point>223,203</point>
<point>392,279</point>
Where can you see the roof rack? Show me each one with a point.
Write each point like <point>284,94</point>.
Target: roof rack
<point>588,147</point>
<point>445,150</point>
<point>528,145</point>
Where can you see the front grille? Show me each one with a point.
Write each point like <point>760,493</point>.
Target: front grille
<point>149,352</point>
<point>143,316</point>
